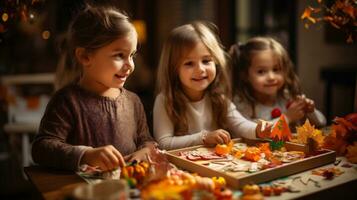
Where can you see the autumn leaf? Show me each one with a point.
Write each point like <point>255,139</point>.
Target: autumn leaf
<point>337,144</point>
<point>349,10</point>
<point>307,15</point>
<point>352,153</point>
<point>307,131</point>
<point>340,14</point>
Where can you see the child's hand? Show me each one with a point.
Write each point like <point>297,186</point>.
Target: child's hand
<point>106,158</point>
<point>309,104</point>
<point>263,129</point>
<point>140,155</point>
<point>218,136</point>
<point>296,110</point>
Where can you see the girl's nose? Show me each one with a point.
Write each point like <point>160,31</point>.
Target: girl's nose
<point>128,65</point>
<point>200,67</point>
<point>271,75</point>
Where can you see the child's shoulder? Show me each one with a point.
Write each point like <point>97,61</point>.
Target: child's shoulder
<point>161,98</point>
<point>64,96</point>
<point>131,96</point>
<point>64,92</point>
<point>238,101</point>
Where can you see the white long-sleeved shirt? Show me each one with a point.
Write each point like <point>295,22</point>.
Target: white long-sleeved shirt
<point>199,118</point>
<point>264,112</point>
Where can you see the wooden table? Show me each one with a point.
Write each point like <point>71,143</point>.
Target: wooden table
<point>58,185</point>
<point>52,184</point>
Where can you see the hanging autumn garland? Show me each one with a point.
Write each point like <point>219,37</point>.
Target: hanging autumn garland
<point>340,14</point>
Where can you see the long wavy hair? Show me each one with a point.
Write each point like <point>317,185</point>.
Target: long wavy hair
<point>93,28</point>
<point>180,41</point>
<point>241,58</point>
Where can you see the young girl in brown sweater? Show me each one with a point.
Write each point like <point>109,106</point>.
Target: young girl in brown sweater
<point>93,120</point>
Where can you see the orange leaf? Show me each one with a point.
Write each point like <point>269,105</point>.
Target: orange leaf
<point>352,153</point>
<point>307,13</point>
<point>337,144</point>
<point>350,11</point>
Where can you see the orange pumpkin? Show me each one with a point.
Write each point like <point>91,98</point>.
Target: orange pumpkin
<point>223,149</point>
<point>252,154</point>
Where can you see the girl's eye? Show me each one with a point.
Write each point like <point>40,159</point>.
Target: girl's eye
<point>188,63</point>
<point>277,69</point>
<point>206,61</point>
<point>261,71</point>
<point>119,55</point>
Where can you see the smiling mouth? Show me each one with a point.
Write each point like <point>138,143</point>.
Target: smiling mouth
<point>199,79</point>
<point>271,85</point>
<point>121,76</point>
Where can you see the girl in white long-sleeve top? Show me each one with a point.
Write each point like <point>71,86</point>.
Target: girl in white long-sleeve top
<point>193,105</point>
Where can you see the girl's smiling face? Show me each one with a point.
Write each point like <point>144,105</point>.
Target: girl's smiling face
<point>265,75</point>
<point>196,72</point>
<point>109,66</point>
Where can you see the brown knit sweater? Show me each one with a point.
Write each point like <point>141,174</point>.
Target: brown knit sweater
<point>77,119</point>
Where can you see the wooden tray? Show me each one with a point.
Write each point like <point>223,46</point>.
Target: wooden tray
<point>327,156</point>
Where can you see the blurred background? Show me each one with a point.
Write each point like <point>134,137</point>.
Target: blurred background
<point>30,29</point>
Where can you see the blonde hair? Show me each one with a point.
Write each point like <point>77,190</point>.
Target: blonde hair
<point>91,29</point>
<point>179,42</point>
<point>242,54</point>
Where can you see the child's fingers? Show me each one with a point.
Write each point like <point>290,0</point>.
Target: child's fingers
<point>110,153</point>
<point>106,163</point>
<point>219,139</point>
<point>225,136</point>
<point>120,158</point>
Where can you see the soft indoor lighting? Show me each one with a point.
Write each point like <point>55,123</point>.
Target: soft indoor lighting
<point>140,27</point>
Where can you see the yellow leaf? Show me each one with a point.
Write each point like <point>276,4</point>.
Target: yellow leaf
<point>307,131</point>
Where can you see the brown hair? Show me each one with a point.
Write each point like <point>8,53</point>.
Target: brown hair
<point>91,29</point>
<point>179,42</point>
<point>242,54</point>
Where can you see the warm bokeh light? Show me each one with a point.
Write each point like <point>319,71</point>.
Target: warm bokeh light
<point>46,35</point>
<point>140,27</point>
<point>5,17</point>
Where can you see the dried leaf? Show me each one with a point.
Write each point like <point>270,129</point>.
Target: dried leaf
<point>337,144</point>
<point>307,131</point>
<point>307,13</point>
<point>352,153</point>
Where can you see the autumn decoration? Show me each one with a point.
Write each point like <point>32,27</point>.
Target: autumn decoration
<point>280,133</point>
<point>340,14</point>
<point>307,134</point>
<point>343,137</point>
